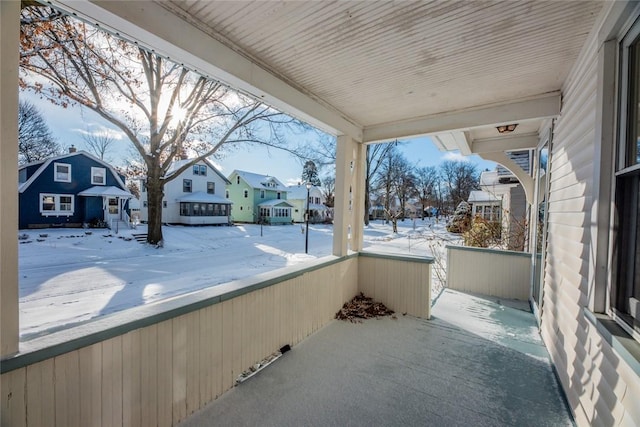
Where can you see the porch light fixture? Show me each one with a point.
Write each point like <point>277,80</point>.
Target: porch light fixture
<point>507,128</point>
<point>306,237</point>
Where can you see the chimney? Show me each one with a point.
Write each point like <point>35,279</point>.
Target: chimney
<point>183,154</point>
<point>72,149</point>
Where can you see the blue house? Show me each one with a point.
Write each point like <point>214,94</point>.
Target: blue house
<point>70,190</point>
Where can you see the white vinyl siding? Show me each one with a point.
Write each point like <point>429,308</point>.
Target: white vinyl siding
<point>57,204</point>
<point>62,172</point>
<point>597,383</point>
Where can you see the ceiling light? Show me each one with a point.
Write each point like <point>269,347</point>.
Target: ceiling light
<point>506,128</point>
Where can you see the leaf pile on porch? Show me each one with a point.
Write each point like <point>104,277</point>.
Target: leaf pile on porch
<point>362,307</point>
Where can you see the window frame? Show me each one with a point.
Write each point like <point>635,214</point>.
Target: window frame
<point>94,174</point>
<point>57,203</point>
<point>187,186</point>
<point>199,170</point>
<point>55,172</point>
<point>213,187</point>
<point>626,185</point>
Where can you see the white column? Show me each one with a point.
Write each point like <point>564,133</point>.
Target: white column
<point>357,227</point>
<point>348,218</point>
<point>9,54</point>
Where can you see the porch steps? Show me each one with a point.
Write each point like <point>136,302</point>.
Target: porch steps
<point>140,237</point>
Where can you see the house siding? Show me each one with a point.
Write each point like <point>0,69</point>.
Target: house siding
<point>242,210</point>
<point>600,388</point>
<point>84,208</point>
<point>247,209</point>
<point>173,190</point>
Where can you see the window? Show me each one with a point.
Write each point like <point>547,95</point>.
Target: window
<point>279,195</point>
<point>238,179</point>
<point>262,194</point>
<point>246,194</point>
<point>186,186</point>
<point>226,194</point>
<point>164,203</point>
<point>61,172</point>
<point>211,187</point>
<point>145,204</point>
<point>265,212</point>
<point>200,170</point>
<point>56,204</point>
<point>143,185</point>
<point>98,176</point>
<point>202,209</point>
<point>625,292</point>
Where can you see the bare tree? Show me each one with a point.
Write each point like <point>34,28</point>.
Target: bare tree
<point>376,155</point>
<point>404,184</point>
<point>329,190</point>
<point>460,177</point>
<point>162,107</point>
<point>385,180</point>
<point>35,141</point>
<point>99,143</point>
<point>426,185</point>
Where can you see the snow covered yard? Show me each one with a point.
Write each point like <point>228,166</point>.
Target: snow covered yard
<point>70,276</point>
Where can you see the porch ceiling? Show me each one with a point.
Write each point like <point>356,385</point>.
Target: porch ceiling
<point>376,70</point>
<point>380,63</point>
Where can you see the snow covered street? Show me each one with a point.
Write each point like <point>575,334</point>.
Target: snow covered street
<point>70,276</point>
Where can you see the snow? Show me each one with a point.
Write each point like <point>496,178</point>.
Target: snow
<point>71,276</point>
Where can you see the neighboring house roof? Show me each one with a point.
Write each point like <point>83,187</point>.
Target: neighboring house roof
<point>299,191</point>
<point>179,163</point>
<point>261,182</point>
<point>482,196</point>
<point>102,191</point>
<point>276,203</point>
<point>22,187</point>
<point>489,178</point>
<point>202,197</point>
<point>316,207</point>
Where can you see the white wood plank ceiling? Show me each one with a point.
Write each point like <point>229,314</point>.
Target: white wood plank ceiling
<point>380,62</point>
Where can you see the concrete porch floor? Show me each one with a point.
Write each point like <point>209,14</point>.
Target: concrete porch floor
<point>478,362</point>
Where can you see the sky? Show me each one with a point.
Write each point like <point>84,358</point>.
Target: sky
<point>69,124</point>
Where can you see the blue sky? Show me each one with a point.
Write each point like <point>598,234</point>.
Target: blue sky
<point>68,126</point>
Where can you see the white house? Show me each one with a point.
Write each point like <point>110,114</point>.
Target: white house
<point>502,198</point>
<point>196,197</point>
<point>318,212</point>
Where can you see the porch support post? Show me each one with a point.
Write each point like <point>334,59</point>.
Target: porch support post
<point>357,228</point>
<point>9,52</point>
<point>347,225</point>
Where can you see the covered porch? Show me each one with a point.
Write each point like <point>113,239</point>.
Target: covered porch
<point>113,202</point>
<point>478,361</point>
<point>479,78</point>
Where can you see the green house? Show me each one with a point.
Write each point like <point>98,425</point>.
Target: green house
<point>258,198</point>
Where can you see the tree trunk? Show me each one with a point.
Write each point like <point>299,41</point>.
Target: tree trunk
<point>155,193</point>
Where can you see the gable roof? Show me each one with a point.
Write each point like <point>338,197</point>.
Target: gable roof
<point>276,203</point>
<point>202,197</point>
<point>477,196</point>
<point>102,191</point>
<point>259,182</point>
<point>299,191</point>
<point>22,187</point>
<point>179,163</point>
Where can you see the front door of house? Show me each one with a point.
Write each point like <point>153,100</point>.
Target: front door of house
<point>113,208</point>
